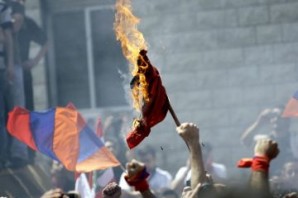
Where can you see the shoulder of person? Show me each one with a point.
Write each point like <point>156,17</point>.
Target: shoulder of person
<point>29,22</point>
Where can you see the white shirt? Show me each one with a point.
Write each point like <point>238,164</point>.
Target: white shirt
<point>219,171</point>
<point>161,179</point>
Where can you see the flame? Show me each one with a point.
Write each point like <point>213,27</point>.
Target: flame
<point>132,42</point>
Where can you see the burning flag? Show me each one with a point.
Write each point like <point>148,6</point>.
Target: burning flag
<point>291,109</point>
<point>155,109</point>
<point>148,93</point>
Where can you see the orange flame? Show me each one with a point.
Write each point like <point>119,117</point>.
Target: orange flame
<point>132,42</point>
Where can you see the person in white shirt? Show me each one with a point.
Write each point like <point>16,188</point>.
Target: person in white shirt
<point>217,171</point>
<point>159,179</point>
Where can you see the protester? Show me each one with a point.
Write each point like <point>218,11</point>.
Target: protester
<point>6,73</point>
<point>287,181</point>
<point>16,151</point>
<point>136,176</point>
<point>217,171</point>
<point>58,193</point>
<point>158,178</point>
<point>112,190</point>
<point>264,151</point>
<point>30,32</point>
<point>113,128</point>
<point>114,148</point>
<point>279,132</point>
<point>62,178</point>
<point>54,193</point>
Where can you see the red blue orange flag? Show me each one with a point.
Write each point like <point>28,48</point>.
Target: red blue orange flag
<point>61,134</point>
<point>291,109</point>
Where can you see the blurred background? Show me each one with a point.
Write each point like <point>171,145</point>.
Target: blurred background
<point>222,62</point>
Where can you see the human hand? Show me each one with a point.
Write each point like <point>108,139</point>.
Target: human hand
<point>134,168</point>
<point>136,176</point>
<point>54,193</point>
<point>267,148</point>
<point>112,190</point>
<point>267,114</point>
<point>189,132</point>
<point>29,64</point>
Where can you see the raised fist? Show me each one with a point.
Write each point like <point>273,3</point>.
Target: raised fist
<point>134,168</point>
<point>189,132</point>
<point>112,190</point>
<point>266,147</point>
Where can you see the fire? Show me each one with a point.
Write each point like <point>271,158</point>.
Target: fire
<point>132,42</point>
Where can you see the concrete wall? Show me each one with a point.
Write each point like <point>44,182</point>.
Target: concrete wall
<point>222,62</point>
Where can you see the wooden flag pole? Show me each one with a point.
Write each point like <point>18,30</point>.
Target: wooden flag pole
<point>173,114</point>
<point>175,118</point>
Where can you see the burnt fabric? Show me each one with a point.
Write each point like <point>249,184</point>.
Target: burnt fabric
<point>153,111</point>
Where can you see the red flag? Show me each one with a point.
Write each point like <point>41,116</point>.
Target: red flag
<point>291,109</point>
<point>153,111</point>
<point>99,128</point>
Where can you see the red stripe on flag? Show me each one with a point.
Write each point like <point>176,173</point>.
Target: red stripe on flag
<point>291,109</point>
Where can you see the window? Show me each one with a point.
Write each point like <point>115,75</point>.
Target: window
<point>87,59</point>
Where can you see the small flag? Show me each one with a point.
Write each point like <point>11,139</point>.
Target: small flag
<point>83,188</point>
<point>99,128</point>
<point>291,109</point>
<point>61,134</point>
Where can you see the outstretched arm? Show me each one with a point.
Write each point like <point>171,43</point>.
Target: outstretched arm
<point>190,134</point>
<point>136,176</point>
<point>263,117</point>
<point>265,150</point>
<point>41,53</point>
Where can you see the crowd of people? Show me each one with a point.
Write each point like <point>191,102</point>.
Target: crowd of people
<point>274,165</point>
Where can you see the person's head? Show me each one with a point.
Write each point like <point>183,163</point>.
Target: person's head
<point>290,172</point>
<point>18,15</point>
<point>112,190</point>
<point>147,155</point>
<point>168,193</point>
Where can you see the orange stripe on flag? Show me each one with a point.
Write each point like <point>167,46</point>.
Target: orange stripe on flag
<point>66,137</point>
<point>102,159</point>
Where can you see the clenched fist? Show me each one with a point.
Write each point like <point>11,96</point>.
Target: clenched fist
<point>189,132</point>
<point>266,147</point>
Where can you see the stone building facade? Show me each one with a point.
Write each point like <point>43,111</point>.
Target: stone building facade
<point>221,61</point>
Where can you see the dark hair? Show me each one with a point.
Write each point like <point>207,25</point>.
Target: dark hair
<point>147,150</point>
<point>17,8</point>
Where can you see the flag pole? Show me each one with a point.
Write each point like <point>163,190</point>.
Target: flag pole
<point>175,118</point>
<point>173,114</point>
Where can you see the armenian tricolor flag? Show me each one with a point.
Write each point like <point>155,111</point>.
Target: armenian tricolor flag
<point>291,109</point>
<point>62,134</point>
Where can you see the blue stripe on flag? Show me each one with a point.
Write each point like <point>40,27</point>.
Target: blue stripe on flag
<point>42,126</point>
